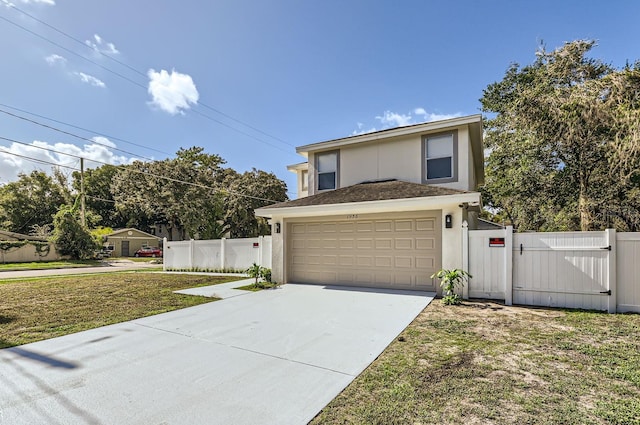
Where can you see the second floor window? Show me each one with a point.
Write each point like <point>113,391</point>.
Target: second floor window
<point>304,175</point>
<point>327,170</point>
<point>440,153</point>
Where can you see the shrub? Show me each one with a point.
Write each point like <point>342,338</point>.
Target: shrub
<point>449,281</point>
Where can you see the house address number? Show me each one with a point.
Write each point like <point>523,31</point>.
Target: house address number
<point>352,216</point>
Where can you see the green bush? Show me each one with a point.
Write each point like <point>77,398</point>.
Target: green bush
<point>449,281</point>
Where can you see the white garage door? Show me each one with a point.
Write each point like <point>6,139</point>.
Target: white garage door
<point>399,251</point>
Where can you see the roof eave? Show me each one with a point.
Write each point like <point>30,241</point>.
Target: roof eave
<point>387,205</point>
<point>386,134</point>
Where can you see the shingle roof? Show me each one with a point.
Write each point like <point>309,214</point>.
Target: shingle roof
<point>371,191</point>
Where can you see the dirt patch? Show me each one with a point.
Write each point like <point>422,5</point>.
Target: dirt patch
<point>487,363</point>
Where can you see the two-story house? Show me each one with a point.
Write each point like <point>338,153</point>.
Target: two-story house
<point>383,209</point>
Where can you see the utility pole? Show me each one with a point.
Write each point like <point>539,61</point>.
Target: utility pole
<point>82,216</point>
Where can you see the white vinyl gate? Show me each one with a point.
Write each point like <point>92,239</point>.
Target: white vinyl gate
<point>568,269</point>
<point>587,270</point>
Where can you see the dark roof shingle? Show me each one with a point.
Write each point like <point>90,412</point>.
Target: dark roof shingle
<point>370,191</point>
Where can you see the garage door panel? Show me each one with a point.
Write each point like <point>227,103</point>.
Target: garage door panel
<point>384,243</point>
<point>362,243</point>
<point>384,226</point>
<point>347,260</point>
<point>386,252</point>
<point>347,227</point>
<point>425,263</point>
<point>403,262</point>
<point>329,243</point>
<point>298,244</point>
<point>403,225</point>
<point>426,225</point>
<point>329,260</point>
<point>384,261</point>
<point>425,243</point>
<point>403,243</point>
<point>364,226</point>
<point>314,243</point>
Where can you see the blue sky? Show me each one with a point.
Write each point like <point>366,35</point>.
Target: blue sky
<point>296,71</point>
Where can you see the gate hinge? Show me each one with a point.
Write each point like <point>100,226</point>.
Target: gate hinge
<point>608,292</point>
<point>608,248</point>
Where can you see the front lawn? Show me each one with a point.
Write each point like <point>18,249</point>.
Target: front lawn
<point>36,309</point>
<point>44,265</point>
<point>484,363</point>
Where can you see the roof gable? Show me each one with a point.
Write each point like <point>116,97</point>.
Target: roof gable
<point>134,233</point>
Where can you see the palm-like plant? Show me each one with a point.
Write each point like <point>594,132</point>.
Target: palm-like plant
<point>449,281</point>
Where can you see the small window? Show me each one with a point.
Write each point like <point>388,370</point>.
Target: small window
<point>327,170</point>
<point>304,175</point>
<point>440,152</point>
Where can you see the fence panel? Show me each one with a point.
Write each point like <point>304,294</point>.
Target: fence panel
<point>241,253</point>
<point>487,265</point>
<point>207,254</point>
<point>237,254</point>
<point>628,273</point>
<point>176,255</point>
<point>568,269</point>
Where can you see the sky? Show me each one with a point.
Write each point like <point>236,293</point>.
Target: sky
<point>120,80</point>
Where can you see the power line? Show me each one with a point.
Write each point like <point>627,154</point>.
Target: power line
<point>84,129</point>
<point>40,161</point>
<point>230,192</point>
<point>204,105</point>
<point>60,46</point>
<point>72,135</point>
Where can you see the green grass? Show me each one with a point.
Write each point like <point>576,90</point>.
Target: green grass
<point>36,309</point>
<point>483,363</point>
<point>259,287</point>
<point>44,265</point>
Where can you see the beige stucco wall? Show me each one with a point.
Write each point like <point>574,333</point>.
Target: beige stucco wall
<point>136,240</point>
<point>27,254</point>
<point>398,158</point>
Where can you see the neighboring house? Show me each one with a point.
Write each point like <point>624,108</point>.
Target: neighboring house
<point>13,236</point>
<point>125,242</point>
<point>383,209</point>
<point>40,250</point>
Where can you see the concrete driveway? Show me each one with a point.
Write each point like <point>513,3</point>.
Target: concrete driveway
<point>271,357</point>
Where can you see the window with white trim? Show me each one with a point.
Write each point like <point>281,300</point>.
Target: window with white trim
<point>304,175</point>
<point>327,170</point>
<point>440,158</point>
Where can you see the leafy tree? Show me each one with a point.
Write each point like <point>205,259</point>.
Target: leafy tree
<point>246,192</point>
<point>69,236</point>
<point>31,200</point>
<point>156,190</point>
<point>563,143</point>
<point>99,200</point>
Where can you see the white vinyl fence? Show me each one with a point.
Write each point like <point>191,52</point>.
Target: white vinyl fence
<point>217,254</point>
<point>588,270</point>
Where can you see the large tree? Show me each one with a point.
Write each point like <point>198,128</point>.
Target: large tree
<point>32,200</point>
<point>98,195</point>
<point>563,142</point>
<point>246,192</point>
<point>194,194</point>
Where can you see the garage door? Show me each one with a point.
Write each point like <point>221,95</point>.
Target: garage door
<point>398,252</point>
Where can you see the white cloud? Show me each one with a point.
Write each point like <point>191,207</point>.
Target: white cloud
<point>47,2</point>
<point>99,45</point>
<point>90,79</point>
<point>172,92</point>
<point>56,59</point>
<point>12,165</point>
<point>391,119</point>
